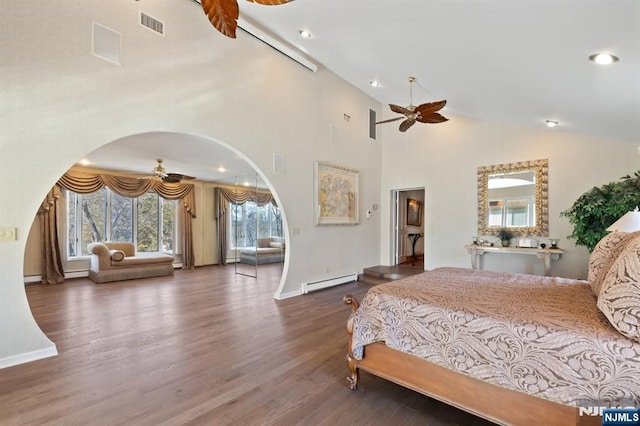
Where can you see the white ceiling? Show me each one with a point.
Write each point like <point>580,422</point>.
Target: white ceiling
<point>186,154</point>
<point>512,61</point>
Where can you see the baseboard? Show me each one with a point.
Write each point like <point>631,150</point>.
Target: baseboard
<point>288,295</point>
<point>328,282</point>
<point>37,279</point>
<point>32,279</point>
<point>28,357</point>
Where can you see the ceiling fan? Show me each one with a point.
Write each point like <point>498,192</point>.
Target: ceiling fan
<point>223,14</point>
<point>423,113</point>
<point>160,173</point>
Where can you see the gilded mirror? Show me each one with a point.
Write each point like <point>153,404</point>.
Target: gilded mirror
<point>514,196</point>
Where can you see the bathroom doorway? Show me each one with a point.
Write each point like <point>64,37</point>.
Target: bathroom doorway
<point>408,224</point>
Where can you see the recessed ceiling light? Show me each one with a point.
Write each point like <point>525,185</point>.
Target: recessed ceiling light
<point>603,58</point>
<point>551,123</point>
<point>84,162</point>
<point>221,169</point>
<point>375,83</point>
<point>305,33</point>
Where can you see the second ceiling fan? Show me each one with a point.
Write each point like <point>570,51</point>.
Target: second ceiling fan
<point>160,173</point>
<point>423,113</point>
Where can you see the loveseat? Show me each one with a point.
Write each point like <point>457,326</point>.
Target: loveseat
<point>268,250</point>
<point>119,261</point>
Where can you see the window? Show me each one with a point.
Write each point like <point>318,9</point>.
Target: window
<point>514,212</point>
<point>245,217</point>
<point>148,221</point>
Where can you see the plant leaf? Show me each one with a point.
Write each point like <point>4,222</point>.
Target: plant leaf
<point>223,15</point>
<point>595,210</point>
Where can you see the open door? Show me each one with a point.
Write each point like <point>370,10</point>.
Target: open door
<point>407,215</point>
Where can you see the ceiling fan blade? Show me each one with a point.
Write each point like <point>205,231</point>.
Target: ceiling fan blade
<point>223,15</point>
<point>430,107</point>
<point>270,2</point>
<point>399,109</point>
<point>432,118</point>
<point>404,126</point>
<point>176,178</point>
<point>389,120</point>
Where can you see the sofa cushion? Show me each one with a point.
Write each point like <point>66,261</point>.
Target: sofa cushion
<point>276,244</point>
<point>144,259</point>
<point>252,251</point>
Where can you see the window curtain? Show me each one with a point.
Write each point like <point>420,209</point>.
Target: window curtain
<point>84,182</point>
<point>188,214</point>
<point>52,270</point>
<point>222,197</point>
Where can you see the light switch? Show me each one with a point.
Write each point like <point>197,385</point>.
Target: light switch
<point>7,234</point>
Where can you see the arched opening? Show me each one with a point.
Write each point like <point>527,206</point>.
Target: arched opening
<point>213,164</point>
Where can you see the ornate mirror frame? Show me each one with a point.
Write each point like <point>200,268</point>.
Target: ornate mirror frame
<point>540,168</point>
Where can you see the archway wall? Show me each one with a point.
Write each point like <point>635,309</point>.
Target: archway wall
<point>61,102</point>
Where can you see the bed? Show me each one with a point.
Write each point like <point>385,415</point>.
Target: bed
<point>511,348</point>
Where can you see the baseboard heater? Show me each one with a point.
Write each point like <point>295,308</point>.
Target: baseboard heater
<point>329,282</point>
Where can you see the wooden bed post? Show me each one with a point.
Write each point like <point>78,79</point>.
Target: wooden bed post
<point>354,377</point>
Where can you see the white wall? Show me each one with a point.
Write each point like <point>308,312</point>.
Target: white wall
<point>60,102</point>
<point>444,159</point>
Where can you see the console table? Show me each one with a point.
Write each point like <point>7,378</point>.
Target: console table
<point>544,254</point>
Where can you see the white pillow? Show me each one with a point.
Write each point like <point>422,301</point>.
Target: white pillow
<point>116,255</point>
<point>276,244</point>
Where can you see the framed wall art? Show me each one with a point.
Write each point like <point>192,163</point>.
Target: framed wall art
<point>414,212</point>
<point>336,195</point>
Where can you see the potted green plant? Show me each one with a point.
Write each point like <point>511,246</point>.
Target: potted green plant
<point>595,210</point>
<point>505,236</point>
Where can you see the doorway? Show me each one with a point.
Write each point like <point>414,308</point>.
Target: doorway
<point>407,216</point>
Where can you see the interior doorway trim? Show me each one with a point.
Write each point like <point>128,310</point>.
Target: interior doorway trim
<point>399,229</point>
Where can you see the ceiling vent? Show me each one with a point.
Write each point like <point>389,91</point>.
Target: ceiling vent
<point>151,23</point>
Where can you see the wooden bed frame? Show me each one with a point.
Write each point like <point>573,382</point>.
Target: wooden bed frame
<point>494,403</point>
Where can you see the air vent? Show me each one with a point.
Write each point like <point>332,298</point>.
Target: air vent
<point>372,123</point>
<point>149,22</point>
<point>105,43</point>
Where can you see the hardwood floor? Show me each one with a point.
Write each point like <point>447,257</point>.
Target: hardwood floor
<point>206,347</point>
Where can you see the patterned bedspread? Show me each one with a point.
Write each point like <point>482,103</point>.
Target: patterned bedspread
<point>540,335</point>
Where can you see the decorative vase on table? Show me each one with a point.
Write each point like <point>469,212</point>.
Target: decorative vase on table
<point>505,243</point>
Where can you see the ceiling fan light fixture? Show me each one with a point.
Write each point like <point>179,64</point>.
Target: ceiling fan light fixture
<point>305,33</point>
<point>375,83</point>
<point>423,113</point>
<point>603,58</point>
<point>551,123</point>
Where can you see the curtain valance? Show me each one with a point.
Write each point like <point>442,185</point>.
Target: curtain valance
<point>83,182</point>
<point>241,196</point>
